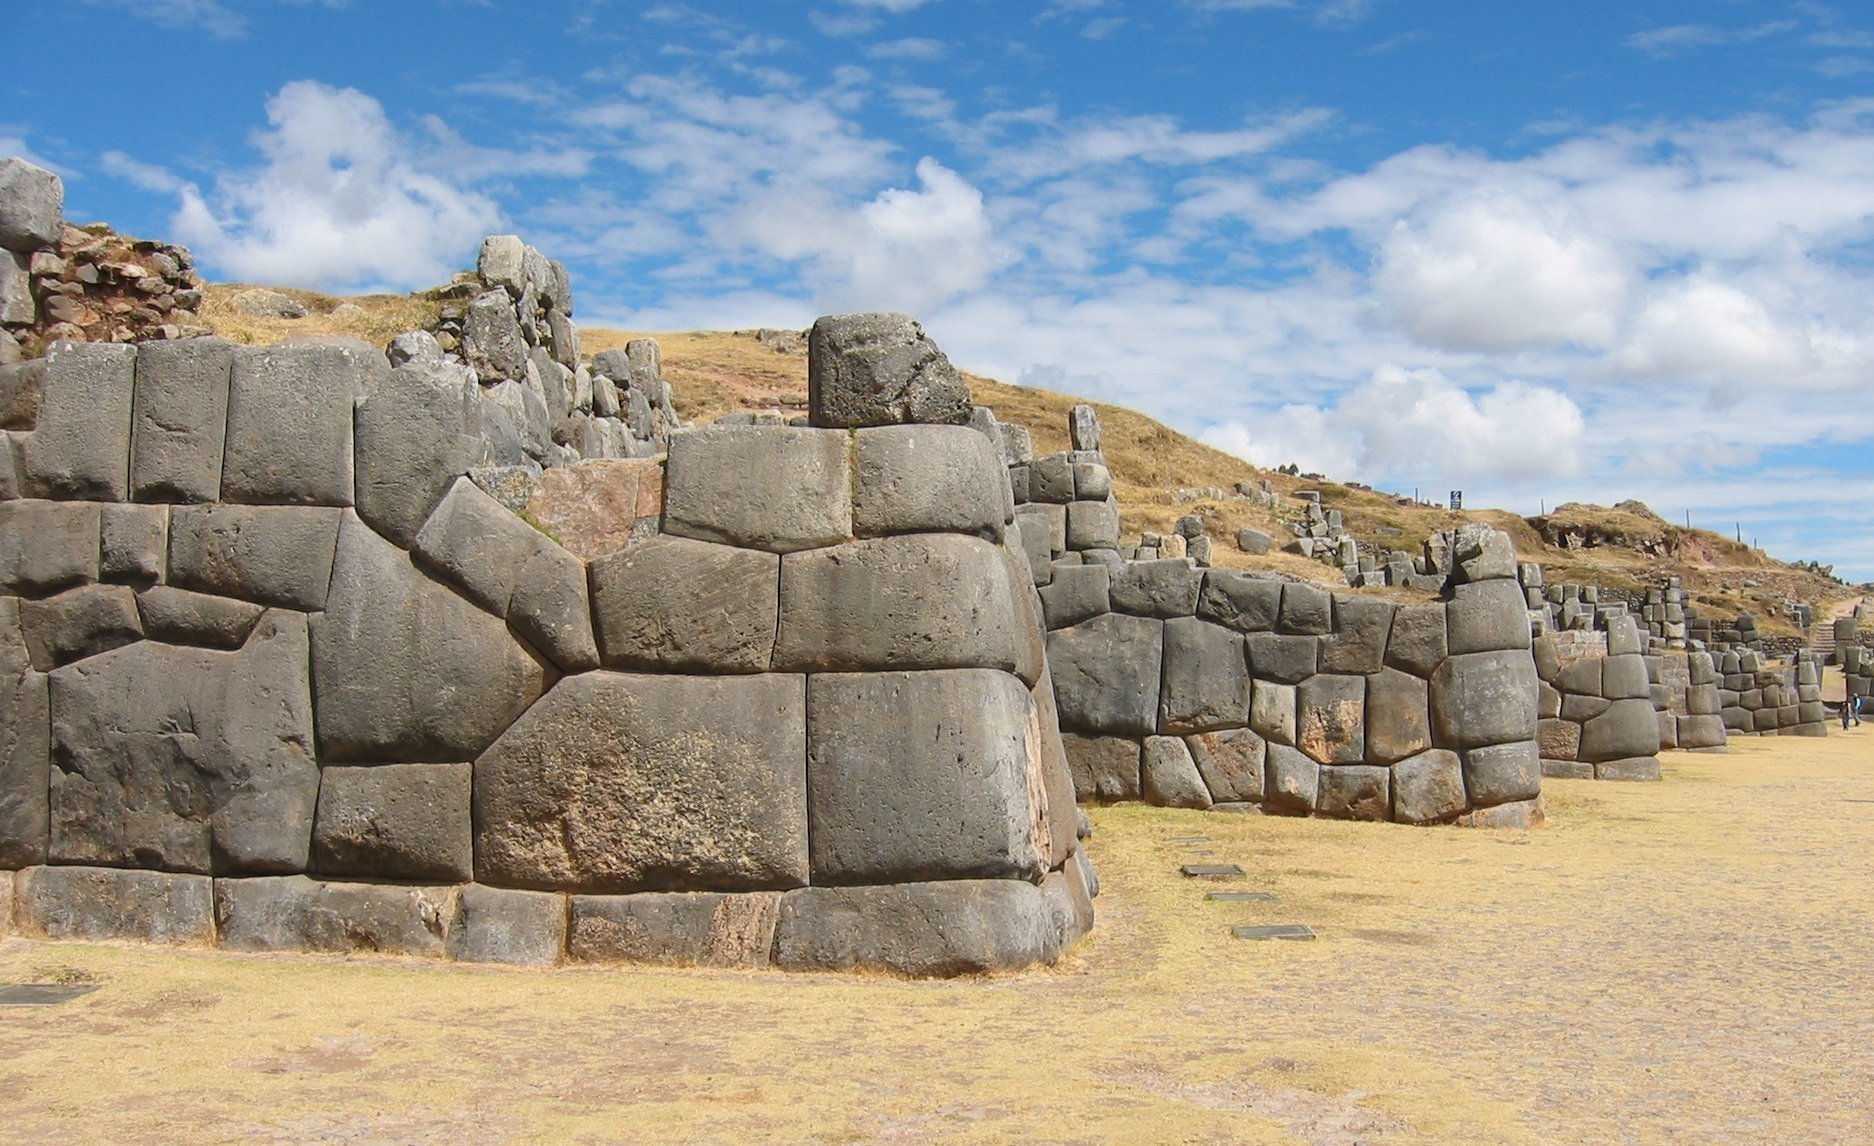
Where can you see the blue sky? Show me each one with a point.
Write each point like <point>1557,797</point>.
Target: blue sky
<point>1538,252</point>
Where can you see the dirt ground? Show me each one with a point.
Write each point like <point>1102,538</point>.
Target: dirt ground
<point>1689,961</point>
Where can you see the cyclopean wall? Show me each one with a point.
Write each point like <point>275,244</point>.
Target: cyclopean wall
<point>1596,704</point>
<point>1201,688</point>
<point>275,674</point>
<point>1761,699</point>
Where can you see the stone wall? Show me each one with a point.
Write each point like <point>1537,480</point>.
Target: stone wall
<point>276,674</point>
<point>1687,701</point>
<point>1597,716</point>
<point>1762,699</point>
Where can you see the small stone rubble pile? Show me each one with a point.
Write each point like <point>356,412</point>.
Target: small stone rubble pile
<point>509,325</point>
<point>85,284</point>
<point>277,673</point>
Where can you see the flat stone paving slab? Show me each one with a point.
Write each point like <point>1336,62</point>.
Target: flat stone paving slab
<point>1212,871</point>
<point>1275,931</point>
<point>1243,897</point>
<point>1190,839</point>
<point>42,994</point>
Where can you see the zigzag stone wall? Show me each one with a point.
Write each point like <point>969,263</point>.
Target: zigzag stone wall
<point>276,674</point>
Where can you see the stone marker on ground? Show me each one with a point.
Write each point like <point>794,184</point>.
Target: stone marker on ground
<point>1275,931</point>
<point>1211,871</point>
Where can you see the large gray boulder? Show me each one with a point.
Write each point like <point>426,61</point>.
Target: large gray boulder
<point>1205,680</point>
<point>417,433</point>
<point>1094,525</point>
<point>180,419</point>
<point>394,821</point>
<point>46,546</point>
<point>1306,610</point>
<point>1107,674</point>
<point>682,928</point>
<point>927,479</point>
<point>80,449</point>
<point>289,436</point>
<point>1503,773</point>
<point>1484,698</point>
<point>1231,763</point>
<point>1487,615</point>
<point>920,929</point>
<point>1294,781</point>
<point>1418,643</point>
<point>270,555</point>
<point>878,370</point>
<point>1076,593</point>
<point>133,543</point>
<point>186,759</point>
<point>1272,711</point>
<point>492,343</point>
<point>677,605</point>
<point>475,543</point>
<point>92,903</point>
<point>1357,644</point>
<point>778,488</point>
<point>1626,729</point>
<point>919,601</point>
<point>1167,588</point>
<point>32,204</point>
<point>1398,716</point>
<point>293,913</point>
<point>22,392</point>
<point>616,783</point>
<point>388,689</point>
<point>921,776</point>
<point>497,925</point>
<point>1282,657</point>
<point>1355,792</point>
<point>1169,775</point>
<point>1428,788</point>
<point>552,609</point>
<point>1104,767</point>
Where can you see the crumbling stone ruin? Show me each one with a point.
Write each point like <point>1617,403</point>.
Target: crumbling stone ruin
<point>85,283</point>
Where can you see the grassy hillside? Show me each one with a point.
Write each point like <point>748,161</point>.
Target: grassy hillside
<point>714,373</point>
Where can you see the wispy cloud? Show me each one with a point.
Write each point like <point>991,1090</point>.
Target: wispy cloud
<point>1679,38</point>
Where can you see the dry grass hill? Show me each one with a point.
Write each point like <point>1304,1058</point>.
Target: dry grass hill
<point>714,373</point>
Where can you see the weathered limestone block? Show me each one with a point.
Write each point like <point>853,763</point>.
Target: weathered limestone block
<point>1581,709</point>
<point>703,928</point>
<point>1481,553</point>
<point>1076,593</point>
<point>1418,643</point>
<point>115,903</point>
<point>492,342</point>
<point>1502,773</point>
<point>919,929</point>
<point>1306,610</point>
<point>79,623</point>
<point>1170,775</point>
<point>1294,781</point>
<point>1548,700</point>
<point>1205,680</point>
<point>1486,616</point>
<point>1105,768</point>
<point>919,601</point>
<point>927,479</point>
<point>496,925</point>
<point>1633,768</point>
<point>1627,729</point>
<point>417,433</point>
<point>1484,698</point>
<point>1165,588</point>
<point>1272,711</point>
<point>1355,792</point>
<point>680,605</point>
<point>1330,718</point>
<point>1566,770</point>
<point>1231,763</point>
<point>1701,731</point>
<point>47,545</point>
<point>1428,788</point>
<point>1398,716</point>
<point>926,775</point>
<point>616,783</point>
<point>80,449</point>
<point>32,202</point>
<point>180,419</point>
<point>133,543</point>
<point>25,748</point>
<point>1048,526</point>
<point>1239,601</point>
<point>186,759</point>
<point>879,370</point>
<point>1624,678</point>
<point>1357,644</point>
<point>1092,482</point>
<point>1281,657</point>
<point>1094,525</point>
<point>1623,638</point>
<point>552,611</point>
<point>270,555</point>
<point>17,307</point>
<point>778,488</point>
<point>394,821</point>
<point>293,913</point>
<point>289,438</point>
<point>388,689</point>
<point>1107,674</point>
<point>179,617</point>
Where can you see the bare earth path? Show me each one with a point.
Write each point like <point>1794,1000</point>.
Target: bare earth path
<point>1691,961</point>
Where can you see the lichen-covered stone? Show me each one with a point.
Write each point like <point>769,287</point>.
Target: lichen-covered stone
<point>497,925</point>
<point>1104,767</point>
<point>1169,775</point>
<point>417,433</point>
<point>293,913</point>
<point>1429,787</point>
<point>694,928</point>
<point>1232,764</point>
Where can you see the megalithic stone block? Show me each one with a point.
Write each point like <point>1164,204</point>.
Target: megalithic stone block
<point>877,370</point>
<point>80,449</point>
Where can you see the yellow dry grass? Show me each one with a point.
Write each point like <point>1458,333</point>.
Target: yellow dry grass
<point>1684,961</point>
